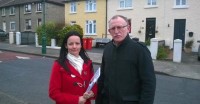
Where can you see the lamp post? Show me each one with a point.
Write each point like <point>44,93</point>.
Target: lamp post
<point>43,29</point>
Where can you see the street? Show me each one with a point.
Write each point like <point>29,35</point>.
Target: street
<point>24,80</point>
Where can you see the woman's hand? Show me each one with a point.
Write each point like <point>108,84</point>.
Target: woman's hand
<point>82,100</point>
<point>88,94</point>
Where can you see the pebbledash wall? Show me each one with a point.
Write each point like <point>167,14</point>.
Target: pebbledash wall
<point>165,13</point>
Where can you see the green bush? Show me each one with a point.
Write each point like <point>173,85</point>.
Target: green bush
<point>162,53</point>
<point>148,42</point>
<point>56,31</point>
<point>189,43</point>
<point>68,28</point>
<point>51,31</point>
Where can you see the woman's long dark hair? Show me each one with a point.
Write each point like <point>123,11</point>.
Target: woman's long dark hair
<point>64,51</point>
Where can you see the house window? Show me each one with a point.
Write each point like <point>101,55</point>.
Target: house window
<point>27,8</point>
<point>28,24</point>
<point>4,25</point>
<point>125,4</point>
<point>151,2</point>
<point>12,10</point>
<point>91,5</point>
<point>73,7</point>
<point>180,2</point>
<point>3,12</point>
<point>39,7</point>
<point>39,22</point>
<point>91,27</point>
<point>12,26</point>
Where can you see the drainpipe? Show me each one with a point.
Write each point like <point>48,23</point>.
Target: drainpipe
<point>106,18</point>
<point>19,19</point>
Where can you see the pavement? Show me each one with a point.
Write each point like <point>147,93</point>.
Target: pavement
<point>188,68</point>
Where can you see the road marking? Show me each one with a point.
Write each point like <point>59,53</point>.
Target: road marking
<point>21,57</point>
<point>13,98</point>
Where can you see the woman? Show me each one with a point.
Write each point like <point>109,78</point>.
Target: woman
<point>71,73</point>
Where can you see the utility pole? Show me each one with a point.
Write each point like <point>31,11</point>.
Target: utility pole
<point>43,29</point>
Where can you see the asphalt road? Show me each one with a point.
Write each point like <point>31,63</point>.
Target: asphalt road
<point>24,80</point>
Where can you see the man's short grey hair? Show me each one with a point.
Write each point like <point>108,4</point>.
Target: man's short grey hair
<point>116,16</point>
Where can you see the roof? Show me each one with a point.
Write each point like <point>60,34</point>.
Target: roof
<point>5,3</point>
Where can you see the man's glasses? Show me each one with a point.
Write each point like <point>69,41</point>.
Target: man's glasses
<point>117,27</point>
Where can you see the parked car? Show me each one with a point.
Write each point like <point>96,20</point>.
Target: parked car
<point>3,35</point>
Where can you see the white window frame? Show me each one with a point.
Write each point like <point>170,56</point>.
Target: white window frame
<point>90,27</point>
<point>125,4</point>
<point>12,26</point>
<point>90,5</point>
<point>28,24</point>
<point>3,12</point>
<point>180,4</point>
<point>27,8</point>
<point>4,26</point>
<point>39,22</point>
<point>151,4</point>
<point>38,7</point>
<point>73,7</point>
<point>12,10</point>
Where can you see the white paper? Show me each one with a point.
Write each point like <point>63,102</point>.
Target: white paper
<point>94,79</point>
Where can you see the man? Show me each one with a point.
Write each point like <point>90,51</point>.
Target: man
<point>127,71</point>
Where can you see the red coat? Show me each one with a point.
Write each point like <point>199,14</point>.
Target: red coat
<point>65,87</point>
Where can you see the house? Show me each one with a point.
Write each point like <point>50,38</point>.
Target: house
<point>162,19</point>
<point>89,14</point>
<point>27,15</point>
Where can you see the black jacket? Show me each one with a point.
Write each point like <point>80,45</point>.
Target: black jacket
<point>127,74</point>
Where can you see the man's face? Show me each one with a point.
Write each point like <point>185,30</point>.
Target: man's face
<point>118,29</point>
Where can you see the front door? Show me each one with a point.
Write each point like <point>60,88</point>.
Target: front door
<point>179,30</point>
<point>150,28</point>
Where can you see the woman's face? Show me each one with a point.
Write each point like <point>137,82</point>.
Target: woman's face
<point>73,45</point>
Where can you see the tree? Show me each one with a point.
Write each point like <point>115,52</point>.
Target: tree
<point>68,28</point>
